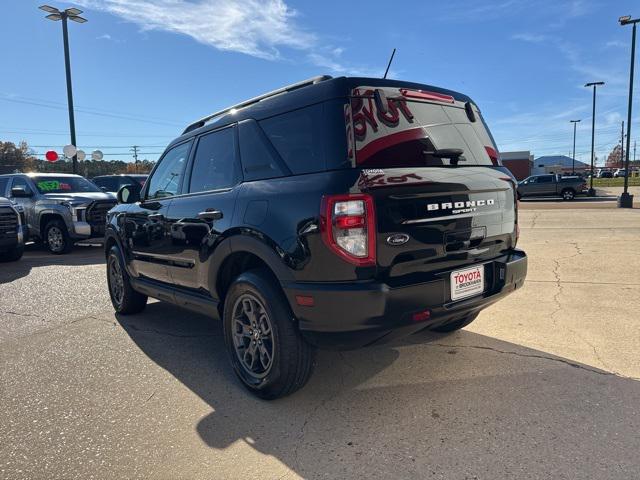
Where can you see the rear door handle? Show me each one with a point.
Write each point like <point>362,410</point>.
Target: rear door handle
<point>156,216</point>
<point>210,214</point>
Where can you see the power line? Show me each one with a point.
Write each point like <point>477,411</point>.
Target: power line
<point>90,111</point>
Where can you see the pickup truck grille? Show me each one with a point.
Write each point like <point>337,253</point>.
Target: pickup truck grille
<point>97,212</point>
<point>8,221</point>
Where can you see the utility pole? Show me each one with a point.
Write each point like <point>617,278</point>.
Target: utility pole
<point>134,149</point>
<point>592,191</point>
<point>56,15</point>
<point>622,146</point>
<point>626,200</point>
<point>573,158</point>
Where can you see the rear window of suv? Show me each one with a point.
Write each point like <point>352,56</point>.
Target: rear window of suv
<point>415,131</point>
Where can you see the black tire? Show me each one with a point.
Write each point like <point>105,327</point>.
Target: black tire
<point>56,237</point>
<point>568,194</point>
<point>12,255</point>
<point>124,298</point>
<point>454,325</point>
<point>257,316</point>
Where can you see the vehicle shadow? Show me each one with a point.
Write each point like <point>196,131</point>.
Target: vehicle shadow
<point>456,406</point>
<point>36,256</point>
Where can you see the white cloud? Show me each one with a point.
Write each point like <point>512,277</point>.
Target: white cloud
<point>530,37</point>
<point>105,36</point>
<point>253,27</point>
<point>616,44</point>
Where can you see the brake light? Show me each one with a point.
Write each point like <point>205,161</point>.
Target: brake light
<point>424,95</point>
<point>348,227</point>
<point>493,155</point>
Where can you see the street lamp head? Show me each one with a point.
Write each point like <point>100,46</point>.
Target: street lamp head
<point>70,13</point>
<point>624,20</point>
<point>575,121</point>
<point>594,84</point>
<point>49,9</point>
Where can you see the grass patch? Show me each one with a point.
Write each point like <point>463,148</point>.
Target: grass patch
<point>615,182</point>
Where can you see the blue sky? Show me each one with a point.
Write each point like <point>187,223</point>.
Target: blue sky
<point>143,69</point>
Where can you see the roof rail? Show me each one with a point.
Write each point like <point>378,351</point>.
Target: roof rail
<point>288,88</point>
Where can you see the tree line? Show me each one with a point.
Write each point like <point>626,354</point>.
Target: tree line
<point>20,158</point>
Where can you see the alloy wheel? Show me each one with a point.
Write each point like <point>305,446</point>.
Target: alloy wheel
<point>253,338</point>
<point>116,280</point>
<point>55,239</point>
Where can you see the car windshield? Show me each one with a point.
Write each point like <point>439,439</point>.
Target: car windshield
<point>64,185</point>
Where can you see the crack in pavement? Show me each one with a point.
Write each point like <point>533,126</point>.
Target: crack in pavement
<point>535,219</point>
<point>23,314</point>
<point>556,296</point>
<point>543,357</point>
<point>307,419</point>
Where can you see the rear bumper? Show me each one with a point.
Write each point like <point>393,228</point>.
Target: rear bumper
<point>352,315</point>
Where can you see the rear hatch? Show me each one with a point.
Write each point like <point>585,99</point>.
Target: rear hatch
<point>442,199</point>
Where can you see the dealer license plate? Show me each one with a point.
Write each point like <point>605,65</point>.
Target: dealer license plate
<point>467,283</point>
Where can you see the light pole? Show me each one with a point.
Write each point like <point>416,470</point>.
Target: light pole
<point>625,200</point>
<point>592,192</point>
<point>72,14</point>
<point>573,158</point>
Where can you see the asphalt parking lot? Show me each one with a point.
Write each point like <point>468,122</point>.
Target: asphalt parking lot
<point>545,384</point>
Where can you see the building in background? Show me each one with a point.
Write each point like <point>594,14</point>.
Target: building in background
<point>560,164</point>
<point>518,163</point>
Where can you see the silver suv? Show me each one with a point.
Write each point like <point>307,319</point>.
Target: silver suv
<point>59,209</point>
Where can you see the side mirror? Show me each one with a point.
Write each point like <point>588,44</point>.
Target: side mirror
<point>129,194</point>
<point>21,192</point>
<point>104,189</point>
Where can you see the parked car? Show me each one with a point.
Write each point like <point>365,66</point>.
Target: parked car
<point>59,208</point>
<point>605,174</point>
<point>620,173</point>
<point>11,233</point>
<point>113,183</point>
<point>551,185</point>
<point>333,213</point>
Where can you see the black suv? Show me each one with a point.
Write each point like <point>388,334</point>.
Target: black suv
<point>113,183</point>
<point>335,213</point>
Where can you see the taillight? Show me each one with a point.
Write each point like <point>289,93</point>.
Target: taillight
<point>349,227</point>
<point>493,155</point>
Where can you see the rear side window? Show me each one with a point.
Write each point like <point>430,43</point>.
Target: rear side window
<point>214,164</point>
<point>259,160</point>
<point>545,179</point>
<point>414,133</point>
<point>298,138</point>
<point>110,184</point>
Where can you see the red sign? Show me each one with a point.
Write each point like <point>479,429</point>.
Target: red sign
<point>51,156</point>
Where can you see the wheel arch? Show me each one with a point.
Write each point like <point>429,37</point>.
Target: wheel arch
<point>245,253</point>
<point>45,217</point>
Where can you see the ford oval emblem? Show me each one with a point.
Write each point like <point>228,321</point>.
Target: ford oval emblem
<point>397,239</point>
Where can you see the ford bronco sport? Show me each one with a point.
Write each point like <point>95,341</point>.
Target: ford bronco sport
<point>333,213</point>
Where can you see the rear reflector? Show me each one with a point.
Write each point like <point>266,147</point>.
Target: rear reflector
<point>423,95</point>
<point>305,300</point>
<point>421,316</point>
